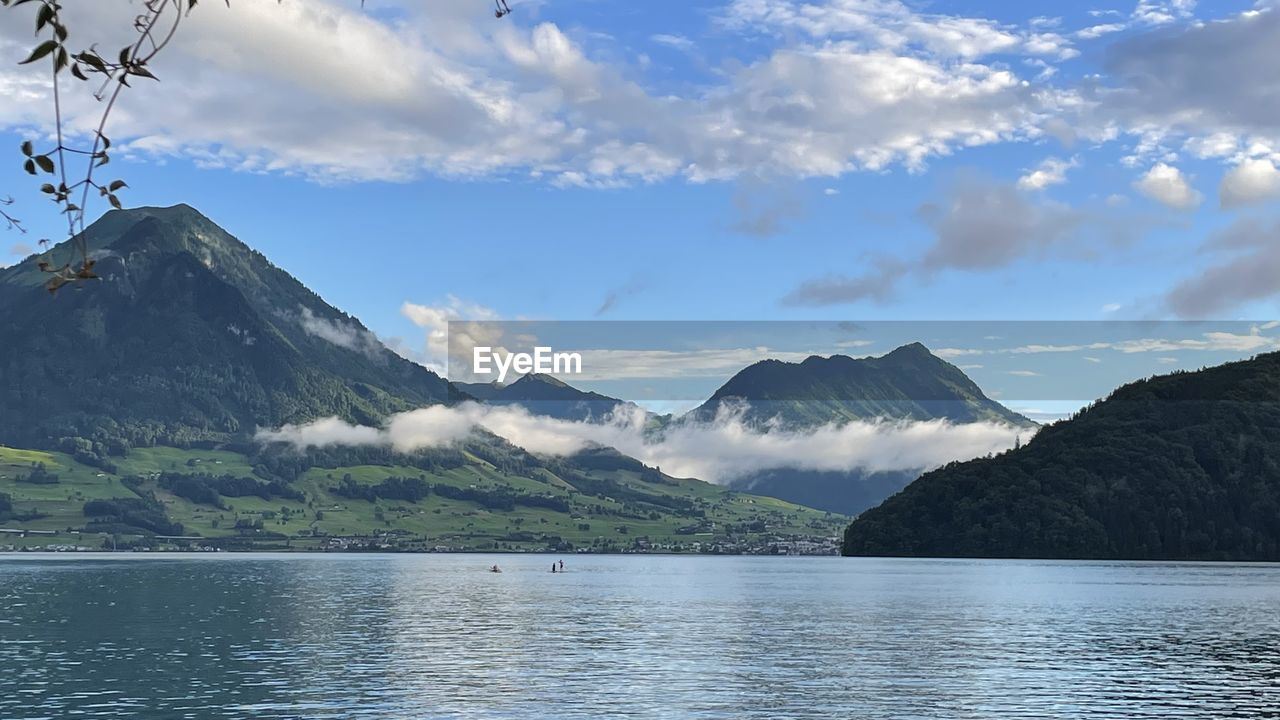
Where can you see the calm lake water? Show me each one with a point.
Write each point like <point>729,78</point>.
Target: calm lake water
<point>436,636</point>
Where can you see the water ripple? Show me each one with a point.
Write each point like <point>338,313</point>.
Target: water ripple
<point>634,637</point>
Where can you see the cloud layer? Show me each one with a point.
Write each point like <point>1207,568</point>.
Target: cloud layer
<point>322,89</point>
<point>717,451</point>
<point>325,89</point>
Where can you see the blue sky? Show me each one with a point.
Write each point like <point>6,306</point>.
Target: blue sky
<point>732,160</point>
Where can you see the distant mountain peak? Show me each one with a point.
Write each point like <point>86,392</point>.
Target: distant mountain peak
<point>542,379</point>
<point>546,395</point>
<point>909,383</point>
<point>912,349</point>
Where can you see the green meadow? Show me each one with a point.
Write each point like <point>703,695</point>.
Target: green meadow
<point>629,517</point>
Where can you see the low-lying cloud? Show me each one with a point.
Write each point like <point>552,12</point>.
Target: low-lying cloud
<point>346,335</point>
<point>718,451</point>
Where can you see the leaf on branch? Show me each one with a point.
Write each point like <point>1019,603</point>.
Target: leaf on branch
<point>26,148</point>
<point>91,59</point>
<point>45,162</point>
<point>30,167</point>
<point>116,185</point>
<point>42,50</point>
<point>43,17</point>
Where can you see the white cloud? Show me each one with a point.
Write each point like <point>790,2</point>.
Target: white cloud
<point>717,451</point>
<point>855,344</point>
<point>321,89</point>
<point>349,335</point>
<point>842,86</point>
<point>1111,307</point>
<point>1167,185</point>
<point>1217,145</point>
<point>472,325</point>
<point>1203,85</point>
<point>1213,341</point>
<point>1053,171</point>
<point>892,24</point>
<point>679,42</point>
<point>1163,12</point>
<point>1252,181</point>
<point>1038,349</point>
<point>957,352</point>
<point>1097,31</point>
<point>829,109</point>
<point>321,433</point>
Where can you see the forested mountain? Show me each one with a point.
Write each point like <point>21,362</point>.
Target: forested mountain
<point>1182,466</point>
<point>910,383</point>
<point>128,407</point>
<point>189,336</point>
<point>545,395</point>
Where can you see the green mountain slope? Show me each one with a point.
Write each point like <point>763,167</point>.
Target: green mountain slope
<point>469,498</point>
<point>190,337</point>
<point>128,408</point>
<point>909,383</point>
<point>1183,466</point>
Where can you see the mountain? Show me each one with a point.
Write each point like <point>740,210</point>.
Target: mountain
<point>1177,467</point>
<point>545,395</point>
<point>910,383</point>
<point>128,408</point>
<point>190,336</point>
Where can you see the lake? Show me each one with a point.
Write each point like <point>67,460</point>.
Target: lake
<point>437,636</point>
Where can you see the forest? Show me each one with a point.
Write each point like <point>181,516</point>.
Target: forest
<point>1183,466</point>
